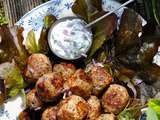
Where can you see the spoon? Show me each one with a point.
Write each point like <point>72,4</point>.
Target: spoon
<point>85,26</point>
<point>107,14</point>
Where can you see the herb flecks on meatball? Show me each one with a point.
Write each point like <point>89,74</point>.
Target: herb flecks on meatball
<point>50,114</point>
<point>73,108</point>
<point>100,77</point>
<point>94,108</point>
<point>65,69</point>
<point>49,86</point>
<point>115,99</point>
<point>32,100</point>
<point>106,117</point>
<point>37,65</point>
<point>80,84</point>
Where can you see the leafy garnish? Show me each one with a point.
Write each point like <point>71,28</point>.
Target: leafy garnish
<point>11,46</point>
<point>3,19</point>
<point>130,27</point>
<point>97,4</point>
<point>18,40</point>
<point>49,20</point>
<point>155,11</point>
<point>133,112</point>
<point>31,44</point>
<point>86,9</point>
<point>42,43</point>
<point>41,46</point>
<point>153,111</point>
<point>13,79</point>
<point>101,35</point>
<point>80,8</point>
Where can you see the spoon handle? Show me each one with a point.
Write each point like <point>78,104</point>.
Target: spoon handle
<point>107,14</point>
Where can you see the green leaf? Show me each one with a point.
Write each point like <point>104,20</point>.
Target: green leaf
<point>153,112</point>
<point>86,9</point>
<point>130,27</point>
<point>97,4</point>
<point>11,46</point>
<point>3,19</point>
<point>131,113</point>
<point>109,24</point>
<point>31,44</point>
<point>155,12</point>
<point>13,92</point>
<point>80,8</point>
<point>13,78</point>
<point>49,20</point>
<point>97,43</point>
<point>43,43</point>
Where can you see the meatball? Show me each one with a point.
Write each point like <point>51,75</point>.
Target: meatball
<point>115,99</point>
<point>50,114</point>
<point>106,117</point>
<point>65,69</point>
<point>79,84</point>
<point>73,108</point>
<point>24,115</point>
<point>100,77</point>
<point>32,100</point>
<point>50,86</point>
<point>94,108</point>
<point>37,65</point>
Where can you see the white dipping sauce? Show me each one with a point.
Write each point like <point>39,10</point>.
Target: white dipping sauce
<point>70,39</point>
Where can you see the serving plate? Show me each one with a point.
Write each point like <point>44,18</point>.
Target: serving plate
<point>33,20</point>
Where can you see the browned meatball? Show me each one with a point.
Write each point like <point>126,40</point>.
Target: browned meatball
<point>24,115</point>
<point>50,114</point>
<point>37,65</point>
<point>49,86</point>
<point>94,108</point>
<point>115,98</point>
<point>100,77</point>
<point>106,117</point>
<point>79,84</point>
<point>65,69</point>
<point>33,100</point>
<point>73,108</point>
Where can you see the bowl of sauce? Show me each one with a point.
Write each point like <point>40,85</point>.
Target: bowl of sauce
<point>69,39</point>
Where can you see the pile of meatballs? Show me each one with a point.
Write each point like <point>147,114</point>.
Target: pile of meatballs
<point>82,94</point>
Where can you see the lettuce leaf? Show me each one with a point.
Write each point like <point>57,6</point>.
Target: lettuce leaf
<point>11,47</point>
<point>108,24</point>
<point>13,79</point>
<point>31,44</point>
<point>85,9</point>
<point>153,111</point>
<point>43,43</point>
<point>133,112</point>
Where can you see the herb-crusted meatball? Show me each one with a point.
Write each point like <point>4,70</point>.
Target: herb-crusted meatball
<point>94,108</point>
<point>100,77</point>
<point>49,86</point>
<point>73,108</point>
<point>37,65</point>
<point>65,69</point>
<point>33,100</point>
<point>50,114</point>
<point>106,117</point>
<point>79,84</point>
<point>115,98</point>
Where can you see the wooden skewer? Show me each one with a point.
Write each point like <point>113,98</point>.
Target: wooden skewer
<point>107,14</point>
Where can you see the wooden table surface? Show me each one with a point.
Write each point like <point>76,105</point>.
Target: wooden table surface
<point>14,9</point>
